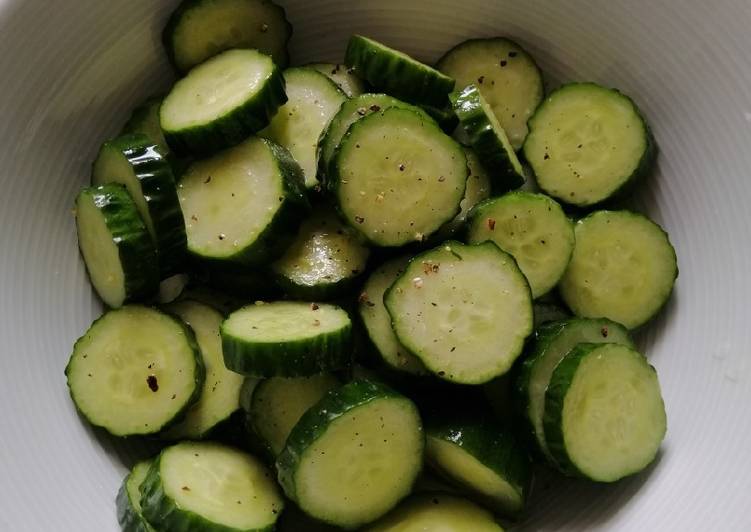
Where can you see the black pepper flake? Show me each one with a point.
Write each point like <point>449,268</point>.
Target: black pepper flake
<point>314,306</point>
<point>174,395</point>
<point>222,236</point>
<point>186,488</point>
<point>512,54</point>
<point>152,382</point>
<point>208,180</point>
<point>491,224</point>
<point>453,349</point>
<point>401,168</point>
<point>441,179</point>
<point>604,332</point>
<point>375,108</point>
<point>441,373</point>
<point>546,157</point>
<point>194,217</point>
<point>503,62</point>
<point>359,219</point>
<point>480,79</point>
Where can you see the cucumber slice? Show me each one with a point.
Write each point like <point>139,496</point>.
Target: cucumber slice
<point>244,204</point>
<point>506,75</point>
<point>221,102</point>
<point>145,120</point>
<point>604,414</point>
<point>210,487</point>
<point>445,117</point>
<point>488,138</point>
<point>353,455</point>
<point>344,77</point>
<point>171,288</point>
<point>200,29</point>
<point>128,500</point>
<point>465,311</point>
<point>286,339</point>
<point>623,268</point>
<point>135,371</point>
<point>547,312</point>
<point>220,396</point>
<point>396,73</point>
<point>531,227</point>
<point>116,246</point>
<point>397,177</point>
<point>588,144</point>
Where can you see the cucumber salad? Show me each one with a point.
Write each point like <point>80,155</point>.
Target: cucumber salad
<point>369,295</point>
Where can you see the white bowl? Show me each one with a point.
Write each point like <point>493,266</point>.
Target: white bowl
<point>70,71</point>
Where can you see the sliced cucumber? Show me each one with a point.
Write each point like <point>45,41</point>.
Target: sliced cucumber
<point>396,73</point>
<point>171,288</point>
<point>244,204</point>
<point>588,144</point>
<point>623,268</point>
<point>445,117</point>
<point>145,120</point>
<point>200,29</point>
<point>604,414</point>
<point>506,75</point>
<point>135,371</point>
<point>531,227</point>
<point>212,488</point>
<point>116,246</point>
<point>547,312</point>
<point>221,102</point>
<point>354,455</point>
<point>397,177</point>
<point>286,339</point>
<point>128,501</point>
<point>344,77</point>
<point>465,311</point>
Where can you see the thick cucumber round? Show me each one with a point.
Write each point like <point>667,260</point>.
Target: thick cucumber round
<point>145,120</point>
<point>531,227</point>
<point>128,500</point>
<point>588,144</point>
<point>354,455</point>
<point>287,339</point>
<point>396,73</point>
<point>221,102</point>
<point>244,204</point>
<point>623,268</point>
<point>397,177</point>
<point>344,78</point>
<point>116,246</point>
<point>465,311</point>
<point>208,487</point>
<point>604,414</point>
<point>135,371</point>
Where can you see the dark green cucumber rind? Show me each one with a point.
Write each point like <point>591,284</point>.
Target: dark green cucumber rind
<point>445,117</point>
<point>127,516</point>
<point>139,120</point>
<point>135,247</point>
<point>415,83</point>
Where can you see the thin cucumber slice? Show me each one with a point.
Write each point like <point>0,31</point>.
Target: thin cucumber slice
<point>488,138</point>
<point>588,144</point>
<point>623,268</point>
<point>171,288</point>
<point>244,204</point>
<point>221,102</point>
<point>128,500</point>
<point>212,488</point>
<point>135,371</point>
<point>200,29</point>
<point>145,120</point>
<point>397,177</point>
<point>465,311</point>
<point>531,227</point>
<point>547,312</point>
<point>344,77</point>
<point>604,413</point>
<point>396,73</point>
<point>116,246</point>
<point>353,455</point>
<point>286,339</point>
<point>506,75</point>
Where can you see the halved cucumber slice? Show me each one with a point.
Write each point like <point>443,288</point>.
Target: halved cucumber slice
<point>623,268</point>
<point>588,144</point>
<point>135,371</point>
<point>531,227</point>
<point>200,29</point>
<point>286,339</point>
<point>221,102</point>
<point>128,501</point>
<point>353,455</point>
<point>212,488</point>
<point>145,120</point>
<point>465,311</point>
<point>344,77</point>
<point>116,246</point>
<point>604,414</point>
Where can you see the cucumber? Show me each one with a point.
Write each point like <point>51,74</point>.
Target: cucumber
<point>547,312</point>
<point>128,500</point>
<point>145,120</point>
<point>531,227</point>
<point>200,29</point>
<point>353,455</point>
<point>221,102</point>
<point>397,177</point>
<point>465,311</point>
<point>344,77</point>
<point>135,161</point>
<point>286,339</point>
<point>604,413</point>
<point>210,487</point>
<point>396,73</point>
<point>116,246</point>
<point>488,138</point>
<point>623,268</point>
<point>445,117</point>
<point>506,75</point>
<point>244,204</point>
<point>172,288</point>
<point>588,144</point>
<point>135,371</point>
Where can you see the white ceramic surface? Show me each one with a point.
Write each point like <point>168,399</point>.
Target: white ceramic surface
<point>70,71</point>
